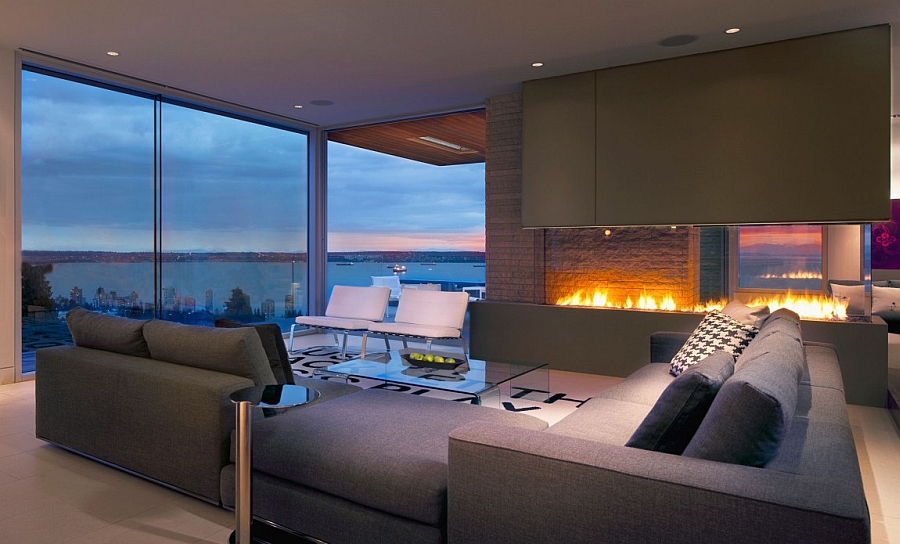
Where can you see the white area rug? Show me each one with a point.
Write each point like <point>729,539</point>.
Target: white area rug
<point>567,391</point>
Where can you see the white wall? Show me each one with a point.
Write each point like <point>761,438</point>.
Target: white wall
<point>9,292</point>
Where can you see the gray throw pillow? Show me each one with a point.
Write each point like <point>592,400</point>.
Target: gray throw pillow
<point>752,412</point>
<point>233,351</point>
<point>716,332</point>
<point>677,414</point>
<point>107,332</point>
<point>272,342</point>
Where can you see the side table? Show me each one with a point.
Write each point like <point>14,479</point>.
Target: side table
<point>264,396</point>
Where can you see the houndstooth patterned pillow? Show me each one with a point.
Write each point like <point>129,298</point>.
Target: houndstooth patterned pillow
<point>716,332</point>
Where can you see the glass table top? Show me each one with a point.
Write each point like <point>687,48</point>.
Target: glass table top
<point>275,396</point>
<point>472,376</point>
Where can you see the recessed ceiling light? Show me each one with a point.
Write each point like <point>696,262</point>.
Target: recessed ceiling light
<point>298,106</point>
<point>732,31</point>
<point>677,41</point>
<point>537,64</point>
<point>112,53</point>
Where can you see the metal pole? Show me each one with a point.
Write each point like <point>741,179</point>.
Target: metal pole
<point>242,509</point>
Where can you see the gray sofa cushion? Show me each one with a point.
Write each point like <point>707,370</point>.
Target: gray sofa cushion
<point>606,420</point>
<point>643,386</point>
<point>716,332</point>
<point>272,341</point>
<point>381,449</point>
<point>233,351</point>
<point>677,414</point>
<point>753,410</point>
<point>107,332</point>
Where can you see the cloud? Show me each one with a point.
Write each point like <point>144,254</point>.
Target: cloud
<point>226,184</point>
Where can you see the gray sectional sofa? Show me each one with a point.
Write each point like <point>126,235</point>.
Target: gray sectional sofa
<point>761,452</point>
<point>151,397</point>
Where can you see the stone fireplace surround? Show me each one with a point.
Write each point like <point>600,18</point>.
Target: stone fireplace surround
<point>527,270</point>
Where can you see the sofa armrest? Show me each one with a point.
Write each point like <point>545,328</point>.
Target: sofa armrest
<point>516,485</point>
<point>665,344</point>
<point>165,421</point>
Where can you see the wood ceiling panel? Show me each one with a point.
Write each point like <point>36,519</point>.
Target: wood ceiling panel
<point>403,138</point>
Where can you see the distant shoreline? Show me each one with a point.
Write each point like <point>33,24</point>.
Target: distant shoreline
<point>36,257</point>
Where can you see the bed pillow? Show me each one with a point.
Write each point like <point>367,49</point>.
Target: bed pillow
<point>885,299</point>
<point>717,332</point>
<point>680,409</point>
<point>854,296</point>
<point>107,332</point>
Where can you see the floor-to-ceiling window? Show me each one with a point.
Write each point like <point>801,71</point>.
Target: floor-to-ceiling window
<point>233,217</point>
<point>390,216</point>
<point>135,205</point>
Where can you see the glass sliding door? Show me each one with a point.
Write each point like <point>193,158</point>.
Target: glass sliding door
<point>233,216</point>
<point>87,206</point>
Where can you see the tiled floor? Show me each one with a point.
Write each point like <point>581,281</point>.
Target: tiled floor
<point>49,496</point>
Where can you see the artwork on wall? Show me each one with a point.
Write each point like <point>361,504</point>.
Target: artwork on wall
<point>886,240</point>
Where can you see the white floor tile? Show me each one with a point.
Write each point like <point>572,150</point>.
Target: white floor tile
<point>49,523</point>
<point>49,495</point>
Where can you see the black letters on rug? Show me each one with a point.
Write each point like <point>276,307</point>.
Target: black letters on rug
<point>306,362</point>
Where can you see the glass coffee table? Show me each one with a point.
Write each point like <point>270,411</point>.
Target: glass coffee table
<point>482,380</point>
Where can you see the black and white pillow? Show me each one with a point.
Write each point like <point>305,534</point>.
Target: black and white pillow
<point>717,332</point>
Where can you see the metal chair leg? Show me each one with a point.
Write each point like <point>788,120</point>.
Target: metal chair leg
<point>362,352</point>
<point>344,347</point>
<point>291,344</point>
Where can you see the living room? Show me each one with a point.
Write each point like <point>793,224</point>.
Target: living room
<point>515,283</point>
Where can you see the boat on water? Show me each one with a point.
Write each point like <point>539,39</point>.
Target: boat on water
<point>343,264</point>
<point>398,268</point>
<point>428,264</point>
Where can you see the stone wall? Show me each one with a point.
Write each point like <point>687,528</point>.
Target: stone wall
<point>628,263</point>
<point>514,269</point>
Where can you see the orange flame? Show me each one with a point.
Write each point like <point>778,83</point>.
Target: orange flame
<point>797,275</point>
<point>806,305</point>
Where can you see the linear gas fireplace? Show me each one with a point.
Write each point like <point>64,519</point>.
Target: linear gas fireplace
<point>671,269</point>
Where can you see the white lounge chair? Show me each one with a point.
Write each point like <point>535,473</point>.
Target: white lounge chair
<point>429,315</point>
<point>350,309</point>
<point>392,282</point>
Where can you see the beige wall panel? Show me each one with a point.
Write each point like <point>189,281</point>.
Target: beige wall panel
<point>558,151</point>
<point>9,304</point>
<point>792,131</point>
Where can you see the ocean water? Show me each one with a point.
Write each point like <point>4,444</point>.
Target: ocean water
<point>259,280</point>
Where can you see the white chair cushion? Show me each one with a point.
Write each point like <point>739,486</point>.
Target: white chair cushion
<point>433,308</point>
<point>334,322</point>
<point>368,303</point>
<point>409,329</point>
<point>391,282</point>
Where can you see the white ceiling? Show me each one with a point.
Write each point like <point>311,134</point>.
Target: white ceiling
<point>380,59</point>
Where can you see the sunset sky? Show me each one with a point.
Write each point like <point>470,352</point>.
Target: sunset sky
<point>227,185</point>
<point>784,235</point>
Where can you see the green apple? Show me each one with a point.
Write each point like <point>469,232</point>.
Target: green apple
<point>429,358</point>
<point>450,360</point>
<point>438,359</point>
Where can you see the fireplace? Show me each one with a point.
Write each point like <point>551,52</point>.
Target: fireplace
<point>649,268</point>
